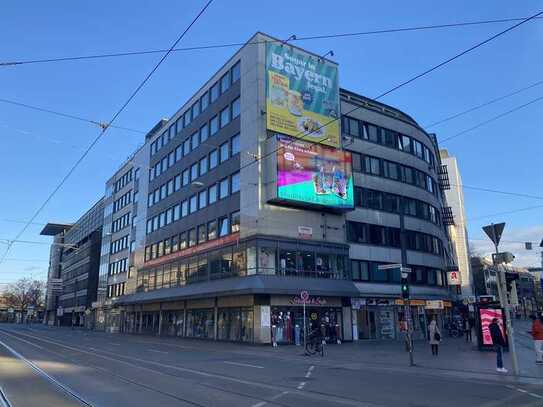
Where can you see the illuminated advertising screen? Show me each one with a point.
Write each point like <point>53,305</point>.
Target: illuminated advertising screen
<point>313,174</point>
<point>486,316</point>
<point>302,95</point>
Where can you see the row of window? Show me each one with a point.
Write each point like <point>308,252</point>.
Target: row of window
<point>119,266</point>
<point>217,191</point>
<point>119,244</point>
<point>384,201</point>
<point>363,270</point>
<point>209,97</point>
<point>196,139</point>
<point>395,171</point>
<point>125,179</point>
<point>389,138</point>
<point>115,290</point>
<point>211,230</point>
<point>389,236</point>
<point>122,201</point>
<point>225,151</point>
<point>120,223</point>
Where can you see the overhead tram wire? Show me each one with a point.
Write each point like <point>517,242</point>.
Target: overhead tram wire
<point>304,134</point>
<point>239,44</point>
<point>104,130</point>
<point>472,109</point>
<point>500,192</point>
<point>69,116</point>
<point>513,211</point>
<point>492,119</point>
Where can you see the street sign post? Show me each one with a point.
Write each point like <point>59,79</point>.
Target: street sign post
<point>494,232</point>
<point>304,296</point>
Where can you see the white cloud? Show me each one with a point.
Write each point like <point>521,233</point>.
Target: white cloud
<point>513,241</point>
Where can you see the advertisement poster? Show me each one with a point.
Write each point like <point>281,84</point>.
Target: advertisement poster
<point>386,323</point>
<point>487,315</point>
<point>302,95</point>
<point>314,174</point>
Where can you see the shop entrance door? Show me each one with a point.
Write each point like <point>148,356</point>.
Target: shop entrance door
<point>367,328</point>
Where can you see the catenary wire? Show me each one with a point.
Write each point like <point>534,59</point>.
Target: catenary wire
<point>492,119</point>
<point>471,109</point>
<point>239,44</point>
<point>496,191</point>
<point>105,128</point>
<point>510,212</point>
<point>67,115</point>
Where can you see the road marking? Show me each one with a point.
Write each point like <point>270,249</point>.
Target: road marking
<point>115,344</point>
<point>23,340</point>
<point>41,372</point>
<point>157,351</point>
<point>301,386</point>
<point>243,364</point>
<point>537,396</point>
<point>309,371</point>
<point>263,403</point>
<point>522,390</point>
<point>4,402</point>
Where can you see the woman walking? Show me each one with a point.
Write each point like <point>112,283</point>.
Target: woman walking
<point>434,335</point>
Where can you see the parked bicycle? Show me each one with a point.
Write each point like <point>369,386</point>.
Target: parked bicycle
<point>315,343</point>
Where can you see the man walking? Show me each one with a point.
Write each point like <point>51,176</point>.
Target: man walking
<point>537,335</point>
<point>467,328</point>
<point>499,342</point>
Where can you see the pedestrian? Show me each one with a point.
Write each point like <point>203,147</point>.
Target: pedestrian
<point>467,329</point>
<point>499,342</point>
<point>434,336</point>
<point>537,335</point>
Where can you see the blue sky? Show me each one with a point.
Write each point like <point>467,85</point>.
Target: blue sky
<point>37,149</point>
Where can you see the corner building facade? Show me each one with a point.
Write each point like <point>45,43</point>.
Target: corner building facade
<point>229,247</point>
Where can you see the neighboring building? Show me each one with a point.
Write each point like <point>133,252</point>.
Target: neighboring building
<point>240,220</point>
<point>484,277</point>
<point>458,230</point>
<point>537,272</point>
<point>73,275</point>
<point>526,292</point>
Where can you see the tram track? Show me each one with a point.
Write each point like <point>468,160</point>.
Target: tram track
<point>123,359</point>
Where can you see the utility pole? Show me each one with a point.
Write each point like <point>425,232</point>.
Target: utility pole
<point>494,231</point>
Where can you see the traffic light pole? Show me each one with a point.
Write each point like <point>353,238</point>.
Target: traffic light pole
<point>407,305</point>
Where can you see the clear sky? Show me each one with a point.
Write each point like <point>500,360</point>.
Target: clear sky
<point>36,149</point>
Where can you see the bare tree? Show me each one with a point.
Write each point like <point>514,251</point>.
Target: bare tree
<point>25,292</point>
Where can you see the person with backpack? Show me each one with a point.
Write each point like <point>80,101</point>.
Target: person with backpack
<point>434,336</point>
<point>499,342</point>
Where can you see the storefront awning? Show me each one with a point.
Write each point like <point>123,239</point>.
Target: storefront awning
<point>393,291</point>
<point>256,284</point>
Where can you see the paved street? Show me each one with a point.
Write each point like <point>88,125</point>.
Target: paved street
<point>101,369</point>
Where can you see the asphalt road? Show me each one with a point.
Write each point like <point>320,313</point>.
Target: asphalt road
<point>58,367</point>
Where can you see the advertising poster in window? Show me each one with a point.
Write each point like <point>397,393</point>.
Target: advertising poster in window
<point>302,95</point>
<point>486,316</point>
<point>314,174</point>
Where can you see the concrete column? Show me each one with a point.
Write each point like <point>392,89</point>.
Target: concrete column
<point>216,317</point>
<point>159,322</point>
<point>185,318</point>
<point>141,322</point>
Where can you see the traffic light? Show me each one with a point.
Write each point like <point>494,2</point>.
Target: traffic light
<point>404,286</point>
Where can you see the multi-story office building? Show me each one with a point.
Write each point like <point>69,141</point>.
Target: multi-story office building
<point>123,232</point>
<point>458,231</point>
<point>270,181</point>
<point>75,268</point>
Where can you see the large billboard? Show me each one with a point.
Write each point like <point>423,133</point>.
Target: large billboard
<point>302,95</point>
<point>486,315</point>
<point>313,174</point>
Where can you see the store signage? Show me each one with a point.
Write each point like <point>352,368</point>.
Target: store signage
<point>305,232</point>
<point>380,301</point>
<point>413,303</point>
<point>453,277</point>
<point>314,175</point>
<point>434,304</point>
<point>309,301</point>
<point>357,303</point>
<point>302,95</point>
<point>60,311</point>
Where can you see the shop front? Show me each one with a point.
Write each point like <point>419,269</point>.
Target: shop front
<point>287,318</point>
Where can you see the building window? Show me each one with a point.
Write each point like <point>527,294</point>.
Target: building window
<point>234,184</point>
<point>202,233</point>
<point>202,199</point>
<point>195,110</point>
<point>203,166</point>
<point>224,149</point>
<point>225,116</point>
<point>235,217</point>
<point>234,145</point>
<point>176,212</point>
<point>184,208</point>
<point>236,108</point>
<point>213,125</point>
<point>183,241</point>
<point>223,188</point>
<point>236,72</point>
<point>192,237</point>
<point>193,171</point>
<point>204,133</point>
<point>211,230</point>
<point>187,118</point>
<point>212,193</point>
<point>213,159</point>
<point>193,204</point>
<point>215,92</point>
<point>186,147</point>
<point>195,140</point>
<point>204,102</point>
<point>225,82</point>
<point>177,182</point>
<point>186,177</point>
<point>223,226</point>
